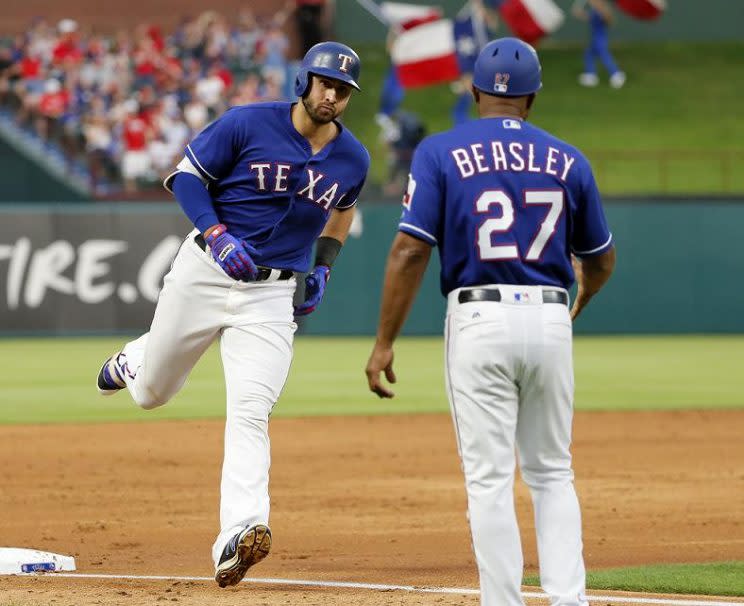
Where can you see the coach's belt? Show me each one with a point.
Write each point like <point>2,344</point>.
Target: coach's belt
<point>264,273</point>
<point>468,295</point>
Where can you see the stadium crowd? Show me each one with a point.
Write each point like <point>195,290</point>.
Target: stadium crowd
<point>126,105</point>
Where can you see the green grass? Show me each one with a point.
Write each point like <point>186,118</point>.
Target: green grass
<point>719,579</point>
<point>52,380</point>
<point>678,97</point>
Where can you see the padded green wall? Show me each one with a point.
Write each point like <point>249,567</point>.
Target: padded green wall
<point>25,180</point>
<point>680,269</point>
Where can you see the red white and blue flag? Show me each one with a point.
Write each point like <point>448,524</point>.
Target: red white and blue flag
<point>426,54</point>
<point>531,20</point>
<point>642,9</point>
<point>402,16</point>
<point>430,50</point>
<point>471,35</point>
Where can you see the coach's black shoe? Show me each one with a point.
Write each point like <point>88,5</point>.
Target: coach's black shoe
<point>111,376</point>
<point>245,549</point>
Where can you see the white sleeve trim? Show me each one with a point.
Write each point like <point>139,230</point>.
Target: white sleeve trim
<point>184,166</point>
<point>419,231</point>
<point>593,250</point>
<point>348,206</point>
<point>204,170</point>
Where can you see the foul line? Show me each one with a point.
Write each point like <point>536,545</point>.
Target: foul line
<point>382,587</point>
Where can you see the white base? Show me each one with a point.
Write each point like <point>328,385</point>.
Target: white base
<point>32,561</point>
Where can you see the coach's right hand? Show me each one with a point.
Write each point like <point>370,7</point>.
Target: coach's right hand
<point>231,254</point>
<point>381,360</point>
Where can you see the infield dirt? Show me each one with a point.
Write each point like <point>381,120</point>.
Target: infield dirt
<point>362,499</point>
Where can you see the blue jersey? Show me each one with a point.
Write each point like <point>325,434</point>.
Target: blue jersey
<point>266,185</point>
<point>506,202</point>
<point>597,21</point>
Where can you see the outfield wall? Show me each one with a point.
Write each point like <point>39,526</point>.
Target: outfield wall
<point>97,269</point>
<point>24,179</point>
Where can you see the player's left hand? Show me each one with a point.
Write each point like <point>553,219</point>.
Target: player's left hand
<point>315,284</point>
<point>380,360</point>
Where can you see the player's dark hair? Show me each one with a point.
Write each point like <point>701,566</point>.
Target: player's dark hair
<point>309,87</point>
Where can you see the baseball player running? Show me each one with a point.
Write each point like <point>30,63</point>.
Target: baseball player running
<point>508,205</point>
<point>261,185</point>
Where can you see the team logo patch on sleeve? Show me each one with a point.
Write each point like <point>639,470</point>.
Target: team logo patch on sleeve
<point>408,196</point>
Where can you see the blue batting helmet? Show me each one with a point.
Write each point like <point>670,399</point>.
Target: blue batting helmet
<point>331,59</point>
<point>507,67</point>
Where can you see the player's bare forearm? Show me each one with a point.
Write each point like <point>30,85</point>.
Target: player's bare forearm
<point>405,269</point>
<point>592,274</point>
<point>339,224</point>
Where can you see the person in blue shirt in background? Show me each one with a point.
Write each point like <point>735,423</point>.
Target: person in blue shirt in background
<point>517,218</point>
<point>600,17</point>
<point>473,27</point>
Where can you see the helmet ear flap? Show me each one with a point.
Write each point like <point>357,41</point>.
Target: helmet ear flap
<point>301,83</point>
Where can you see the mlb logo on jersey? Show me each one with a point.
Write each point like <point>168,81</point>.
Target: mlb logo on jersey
<point>522,297</point>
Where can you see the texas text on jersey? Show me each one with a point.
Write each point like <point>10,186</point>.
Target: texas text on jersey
<point>289,195</point>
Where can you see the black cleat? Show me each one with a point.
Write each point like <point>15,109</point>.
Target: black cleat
<point>245,549</point>
<point>111,376</point>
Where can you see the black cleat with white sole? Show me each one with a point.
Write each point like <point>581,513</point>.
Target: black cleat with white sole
<point>245,549</point>
<point>110,378</point>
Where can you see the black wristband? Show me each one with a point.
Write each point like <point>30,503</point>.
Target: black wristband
<point>326,250</point>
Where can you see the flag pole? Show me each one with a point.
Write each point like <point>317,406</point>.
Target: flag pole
<point>479,25</point>
<point>373,9</point>
<point>475,9</point>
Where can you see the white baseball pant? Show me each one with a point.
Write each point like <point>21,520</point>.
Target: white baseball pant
<point>255,327</point>
<point>509,374</point>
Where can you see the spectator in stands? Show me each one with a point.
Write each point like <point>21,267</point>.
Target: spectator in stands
<point>217,37</point>
<point>243,41</point>
<point>195,113</point>
<point>136,135</point>
<point>209,90</point>
<point>98,145</point>
<point>76,91</point>
<point>67,50</point>
<point>52,105</point>
<point>310,16</point>
<point>42,40</point>
<point>271,89</point>
<point>7,73</point>
<point>401,141</point>
<point>247,91</point>
<point>275,44</point>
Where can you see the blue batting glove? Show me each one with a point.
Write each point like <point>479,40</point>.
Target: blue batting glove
<point>315,284</point>
<point>232,255</point>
